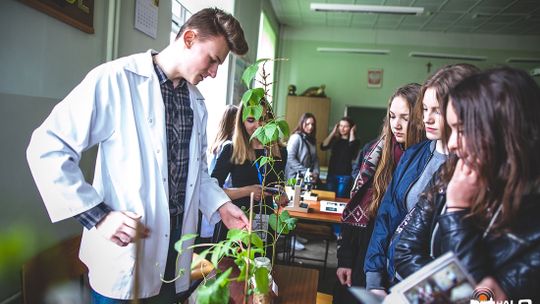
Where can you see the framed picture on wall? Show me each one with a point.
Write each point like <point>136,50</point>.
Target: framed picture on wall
<point>374,78</point>
<point>79,14</point>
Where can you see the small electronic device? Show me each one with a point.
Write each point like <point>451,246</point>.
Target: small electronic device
<point>333,207</point>
<point>274,190</point>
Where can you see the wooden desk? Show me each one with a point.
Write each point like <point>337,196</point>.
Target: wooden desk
<point>316,215</point>
<point>295,284</point>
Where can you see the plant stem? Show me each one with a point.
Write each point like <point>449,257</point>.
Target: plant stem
<point>251,199</point>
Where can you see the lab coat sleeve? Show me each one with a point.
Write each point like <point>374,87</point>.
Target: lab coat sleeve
<point>83,119</point>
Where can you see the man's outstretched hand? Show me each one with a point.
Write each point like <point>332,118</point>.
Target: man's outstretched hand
<point>232,216</point>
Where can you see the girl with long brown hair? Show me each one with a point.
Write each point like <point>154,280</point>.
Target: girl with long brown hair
<point>414,171</point>
<point>302,148</point>
<point>375,171</point>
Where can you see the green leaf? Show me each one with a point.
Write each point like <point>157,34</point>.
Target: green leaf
<point>215,291</point>
<point>283,223</point>
<point>257,111</point>
<point>236,234</point>
<point>271,131</point>
<point>184,238</point>
<point>246,97</point>
<point>259,135</point>
<point>283,127</point>
<point>288,220</point>
<point>263,160</point>
<point>240,261</point>
<point>216,256</point>
<point>277,224</point>
<point>257,95</point>
<point>256,240</point>
<point>254,111</point>
<point>291,181</point>
<point>249,73</point>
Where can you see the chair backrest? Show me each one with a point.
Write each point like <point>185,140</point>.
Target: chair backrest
<point>52,268</point>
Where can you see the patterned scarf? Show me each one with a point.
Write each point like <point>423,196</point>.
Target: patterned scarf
<point>355,213</point>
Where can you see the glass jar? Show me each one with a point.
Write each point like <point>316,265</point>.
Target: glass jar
<point>262,267</point>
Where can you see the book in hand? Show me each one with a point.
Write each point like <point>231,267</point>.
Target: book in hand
<point>444,280</point>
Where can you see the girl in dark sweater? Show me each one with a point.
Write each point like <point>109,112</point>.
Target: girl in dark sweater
<point>239,160</point>
<point>344,146</point>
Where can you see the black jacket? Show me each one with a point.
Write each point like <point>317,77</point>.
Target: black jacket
<point>512,258</point>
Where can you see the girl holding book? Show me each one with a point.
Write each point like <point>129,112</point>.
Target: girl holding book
<point>485,205</point>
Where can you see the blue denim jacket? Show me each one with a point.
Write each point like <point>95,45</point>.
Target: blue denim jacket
<point>378,268</point>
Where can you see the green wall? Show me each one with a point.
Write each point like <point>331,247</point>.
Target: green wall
<point>345,74</point>
<point>42,59</point>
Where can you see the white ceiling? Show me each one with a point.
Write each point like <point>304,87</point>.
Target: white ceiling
<point>514,17</point>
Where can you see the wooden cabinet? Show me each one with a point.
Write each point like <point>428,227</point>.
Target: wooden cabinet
<point>320,108</point>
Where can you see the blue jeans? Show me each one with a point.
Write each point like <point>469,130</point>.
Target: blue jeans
<point>167,294</point>
<point>340,184</point>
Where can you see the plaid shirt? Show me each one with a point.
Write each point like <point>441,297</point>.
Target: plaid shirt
<point>179,124</point>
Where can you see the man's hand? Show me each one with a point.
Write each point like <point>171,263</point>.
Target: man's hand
<point>344,275</point>
<point>232,216</point>
<point>120,227</point>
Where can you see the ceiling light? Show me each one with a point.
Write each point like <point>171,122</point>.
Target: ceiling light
<point>522,60</point>
<point>375,9</point>
<point>355,51</point>
<point>447,56</point>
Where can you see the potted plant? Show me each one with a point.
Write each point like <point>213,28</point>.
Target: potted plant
<point>245,247</point>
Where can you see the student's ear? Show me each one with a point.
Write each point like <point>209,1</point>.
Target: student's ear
<point>189,37</point>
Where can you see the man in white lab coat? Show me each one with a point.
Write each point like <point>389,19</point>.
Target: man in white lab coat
<point>149,121</point>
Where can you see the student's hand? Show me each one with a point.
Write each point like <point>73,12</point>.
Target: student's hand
<point>335,130</point>
<point>120,227</point>
<point>352,133</point>
<point>491,283</point>
<point>282,200</point>
<point>463,187</point>
<point>257,192</point>
<point>344,275</point>
<point>232,216</point>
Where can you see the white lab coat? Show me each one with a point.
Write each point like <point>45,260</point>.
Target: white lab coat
<point>119,107</point>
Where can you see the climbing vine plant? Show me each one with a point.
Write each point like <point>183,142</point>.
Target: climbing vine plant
<point>242,246</point>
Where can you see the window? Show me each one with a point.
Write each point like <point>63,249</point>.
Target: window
<point>179,16</point>
<point>267,49</point>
